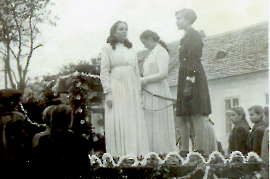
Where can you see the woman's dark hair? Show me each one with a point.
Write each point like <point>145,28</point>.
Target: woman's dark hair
<point>112,39</point>
<point>47,114</point>
<point>239,110</point>
<point>188,14</point>
<point>148,33</point>
<point>62,117</point>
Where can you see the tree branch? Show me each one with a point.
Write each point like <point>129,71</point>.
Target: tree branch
<point>14,75</point>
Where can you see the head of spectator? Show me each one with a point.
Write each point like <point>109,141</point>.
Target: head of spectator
<point>256,114</point>
<point>62,117</point>
<point>47,115</point>
<point>237,115</point>
<point>9,100</point>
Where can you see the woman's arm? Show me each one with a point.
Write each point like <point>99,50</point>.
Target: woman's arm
<point>105,73</point>
<point>162,58</point>
<point>137,72</point>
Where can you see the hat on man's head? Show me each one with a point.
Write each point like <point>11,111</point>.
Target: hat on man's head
<point>11,94</point>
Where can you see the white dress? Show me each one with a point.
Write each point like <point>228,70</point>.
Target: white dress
<point>159,118</point>
<point>125,128</point>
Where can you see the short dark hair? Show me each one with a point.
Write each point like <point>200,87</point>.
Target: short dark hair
<point>188,14</point>
<point>257,109</point>
<point>239,110</point>
<point>62,117</point>
<point>112,39</point>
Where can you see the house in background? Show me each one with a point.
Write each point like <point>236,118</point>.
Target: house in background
<point>236,65</point>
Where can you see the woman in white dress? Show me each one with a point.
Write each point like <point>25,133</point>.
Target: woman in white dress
<point>158,112</point>
<point>125,128</point>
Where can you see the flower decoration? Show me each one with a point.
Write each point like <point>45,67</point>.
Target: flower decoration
<point>253,157</point>
<point>216,158</point>
<point>195,158</point>
<point>95,161</point>
<point>237,157</point>
<point>173,158</point>
<point>108,161</point>
<point>151,159</point>
<point>128,160</point>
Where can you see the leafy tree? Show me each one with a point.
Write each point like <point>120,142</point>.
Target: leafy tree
<point>19,20</point>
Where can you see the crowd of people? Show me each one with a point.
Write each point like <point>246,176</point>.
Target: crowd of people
<point>56,152</point>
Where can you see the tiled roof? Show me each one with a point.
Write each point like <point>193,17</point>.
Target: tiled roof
<point>246,51</point>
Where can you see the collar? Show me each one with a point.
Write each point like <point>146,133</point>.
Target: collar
<point>258,124</point>
<point>158,46</point>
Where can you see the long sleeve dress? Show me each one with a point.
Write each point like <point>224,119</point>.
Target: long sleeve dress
<point>125,129</point>
<point>190,54</point>
<point>159,119</point>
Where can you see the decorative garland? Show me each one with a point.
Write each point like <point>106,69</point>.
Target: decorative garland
<point>201,169</point>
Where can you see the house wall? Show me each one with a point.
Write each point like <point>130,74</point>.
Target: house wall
<point>251,89</point>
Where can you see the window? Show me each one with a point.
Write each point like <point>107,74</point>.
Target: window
<point>229,104</point>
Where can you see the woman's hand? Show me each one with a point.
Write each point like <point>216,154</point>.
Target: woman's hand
<point>109,103</point>
<point>188,89</point>
<point>143,82</point>
<point>108,99</point>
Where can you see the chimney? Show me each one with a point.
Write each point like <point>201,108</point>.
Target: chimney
<point>202,34</point>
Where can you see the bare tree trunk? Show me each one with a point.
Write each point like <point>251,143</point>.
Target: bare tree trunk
<point>13,86</point>
<point>5,73</point>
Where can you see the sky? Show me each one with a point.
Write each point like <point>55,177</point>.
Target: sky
<point>84,25</point>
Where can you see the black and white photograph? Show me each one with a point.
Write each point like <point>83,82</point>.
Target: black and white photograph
<point>175,89</point>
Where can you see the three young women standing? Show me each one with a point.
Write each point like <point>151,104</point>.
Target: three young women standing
<point>124,122</point>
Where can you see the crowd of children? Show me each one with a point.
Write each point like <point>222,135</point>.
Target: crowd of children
<point>246,139</point>
<point>55,153</point>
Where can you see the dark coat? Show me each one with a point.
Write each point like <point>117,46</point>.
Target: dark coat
<point>14,145</point>
<point>61,154</point>
<point>238,138</point>
<point>190,54</point>
<point>255,137</point>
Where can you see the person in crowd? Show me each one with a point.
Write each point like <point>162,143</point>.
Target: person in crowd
<point>265,141</point>
<point>158,113</point>
<point>125,128</point>
<point>47,115</point>
<point>61,153</point>
<point>192,94</point>
<point>239,135</point>
<point>257,131</point>
<point>14,145</point>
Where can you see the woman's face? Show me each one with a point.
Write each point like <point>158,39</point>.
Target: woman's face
<point>121,32</point>
<point>181,22</point>
<point>254,117</point>
<point>148,43</point>
<point>234,117</point>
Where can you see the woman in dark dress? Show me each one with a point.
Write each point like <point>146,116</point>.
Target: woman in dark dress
<point>192,95</point>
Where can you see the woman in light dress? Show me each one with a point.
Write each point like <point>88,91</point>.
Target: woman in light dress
<point>158,112</point>
<point>125,128</point>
